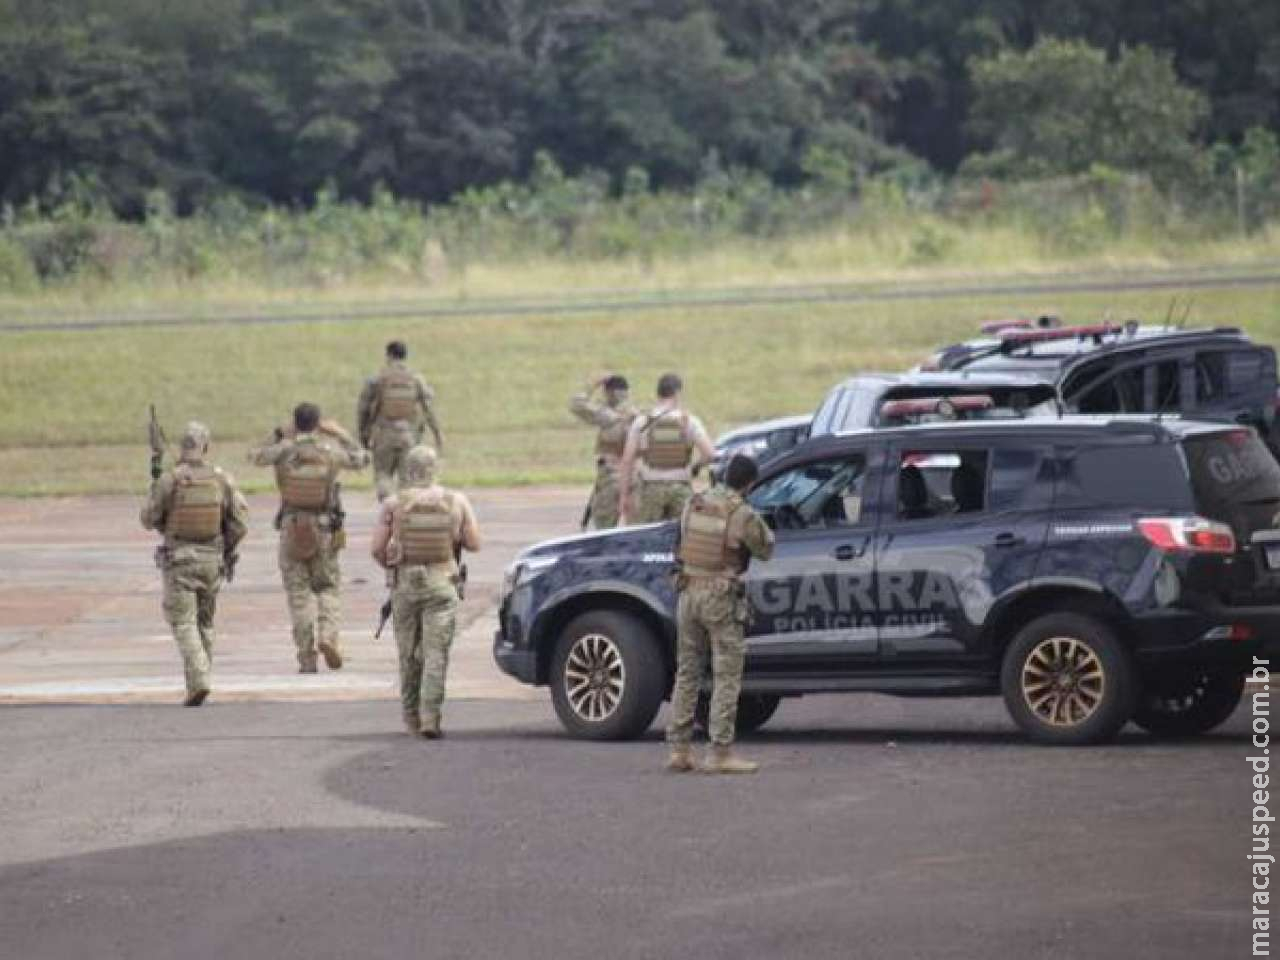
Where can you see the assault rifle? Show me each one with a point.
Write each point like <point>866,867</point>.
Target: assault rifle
<point>384,616</point>
<point>158,443</point>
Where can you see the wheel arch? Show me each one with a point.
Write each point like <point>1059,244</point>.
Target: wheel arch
<point>1016,611</point>
<point>612,598</point>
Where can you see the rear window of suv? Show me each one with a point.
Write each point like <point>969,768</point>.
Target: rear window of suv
<point>1148,476</point>
<point>1236,480</point>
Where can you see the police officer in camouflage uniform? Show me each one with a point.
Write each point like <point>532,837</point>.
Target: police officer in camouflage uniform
<point>394,408</point>
<point>307,460</point>
<point>663,448</point>
<point>719,534</point>
<point>419,538</point>
<point>612,418</point>
<point>203,518</point>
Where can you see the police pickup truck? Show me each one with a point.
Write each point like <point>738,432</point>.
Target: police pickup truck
<point>1089,570</point>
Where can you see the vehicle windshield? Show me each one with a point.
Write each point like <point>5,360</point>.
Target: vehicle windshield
<point>817,494</point>
<point>1235,479</point>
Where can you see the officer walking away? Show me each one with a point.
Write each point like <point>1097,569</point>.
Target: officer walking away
<point>612,416</point>
<point>394,408</point>
<point>307,460</point>
<point>662,449</point>
<point>419,538</point>
<point>203,517</point>
<point>719,534</point>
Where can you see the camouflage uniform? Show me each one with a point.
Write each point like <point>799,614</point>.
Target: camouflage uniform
<point>310,539</point>
<point>419,536</point>
<point>713,611</point>
<point>194,564</point>
<point>394,409</point>
<point>613,423</point>
<point>665,485</point>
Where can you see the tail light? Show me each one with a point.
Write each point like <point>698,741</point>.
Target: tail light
<point>1195,535</point>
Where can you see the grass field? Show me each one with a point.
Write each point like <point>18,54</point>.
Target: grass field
<point>888,251</point>
<point>73,404</point>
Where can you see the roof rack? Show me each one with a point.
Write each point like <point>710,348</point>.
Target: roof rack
<point>947,407</point>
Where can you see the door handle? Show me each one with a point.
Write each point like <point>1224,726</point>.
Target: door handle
<point>1009,540</point>
<point>847,551</point>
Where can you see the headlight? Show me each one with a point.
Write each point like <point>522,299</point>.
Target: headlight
<point>522,571</point>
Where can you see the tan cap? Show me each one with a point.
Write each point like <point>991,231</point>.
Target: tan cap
<point>195,436</point>
<point>420,464</point>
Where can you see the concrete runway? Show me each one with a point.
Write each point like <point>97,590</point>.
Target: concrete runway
<point>80,617</point>
<point>878,828</point>
<point>290,817</point>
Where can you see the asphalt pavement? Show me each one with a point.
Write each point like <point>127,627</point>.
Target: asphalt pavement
<point>878,828</point>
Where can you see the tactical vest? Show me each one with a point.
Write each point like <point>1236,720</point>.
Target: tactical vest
<point>422,525</point>
<point>705,547</point>
<point>612,440</point>
<point>397,394</point>
<point>195,511</point>
<point>305,477</point>
<point>668,445</point>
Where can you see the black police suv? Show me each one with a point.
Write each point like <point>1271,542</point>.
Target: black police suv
<point>1089,570</point>
<point>1208,374</point>
<point>891,399</point>
<point>762,441</point>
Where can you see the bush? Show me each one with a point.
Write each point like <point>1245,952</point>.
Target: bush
<point>17,273</point>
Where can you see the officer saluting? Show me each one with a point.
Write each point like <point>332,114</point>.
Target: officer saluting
<point>719,534</point>
<point>307,459</point>
<point>612,418</point>
<point>420,536</point>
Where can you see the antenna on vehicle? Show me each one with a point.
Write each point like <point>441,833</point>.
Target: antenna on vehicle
<point>1186,313</point>
<point>1168,314</point>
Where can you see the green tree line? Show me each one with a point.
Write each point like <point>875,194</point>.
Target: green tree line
<point>271,101</point>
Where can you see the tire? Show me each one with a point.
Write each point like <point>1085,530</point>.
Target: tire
<point>754,711</point>
<point>1098,694</point>
<point>608,676</point>
<point>1190,702</point>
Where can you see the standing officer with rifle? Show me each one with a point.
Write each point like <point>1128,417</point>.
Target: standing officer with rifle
<point>203,517</point>
<point>419,538</point>
<point>308,457</point>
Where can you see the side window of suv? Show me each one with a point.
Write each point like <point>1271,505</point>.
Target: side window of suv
<point>1021,477</point>
<point>1119,393</point>
<point>1211,378</point>
<point>829,493</point>
<point>1168,395</point>
<point>941,483</point>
